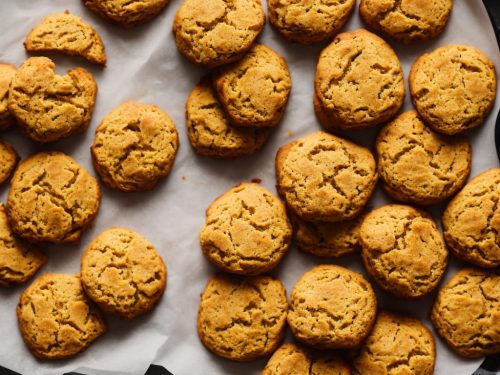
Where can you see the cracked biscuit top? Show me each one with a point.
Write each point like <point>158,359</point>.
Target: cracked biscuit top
<point>134,147</point>
<point>8,160</point>
<point>247,230</point>
<point>418,165</point>
<point>409,20</point>
<point>56,318</point>
<point>126,13</point>
<point>7,73</point>
<point>471,221</point>
<point>52,198</point>
<point>332,307</point>
<point>123,273</point>
<point>254,91</point>
<point>358,82</point>
<point>403,250</point>
<point>309,21</point>
<point>216,32</point>
<point>325,178</point>
<point>397,345</point>
<point>466,313</point>
<point>49,106</point>
<point>453,88</point>
<point>242,319</point>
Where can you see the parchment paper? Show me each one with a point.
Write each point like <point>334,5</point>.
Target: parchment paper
<point>144,65</point>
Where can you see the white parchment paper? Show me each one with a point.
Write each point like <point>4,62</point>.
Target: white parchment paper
<point>144,65</point>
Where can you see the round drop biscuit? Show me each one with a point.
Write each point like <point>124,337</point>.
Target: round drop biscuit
<point>56,318</point>
<point>453,88</point>
<point>332,307</point>
<point>307,21</point>
<point>242,318</point>
<point>126,12</point>
<point>466,313</point>
<point>8,160</point>
<point>403,250</point>
<point>247,230</point>
<point>123,273</point>
<point>471,221</point>
<point>254,91</point>
<point>52,198</point>
<point>7,73</point>
<point>418,165</point>
<point>358,83</point>
<point>216,32</point>
<point>325,178</point>
<point>134,146</point>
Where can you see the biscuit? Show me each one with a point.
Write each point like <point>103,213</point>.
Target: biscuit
<point>406,21</point>
<point>332,307</point>
<point>291,359</point>
<point>359,81</point>
<point>134,147</point>
<point>210,131</point>
<point>242,318</point>
<point>246,231</point>
<point>418,165</point>
<point>466,313</point>
<point>48,106</point>
<point>8,160</point>
<point>69,34</point>
<point>325,178</point>
<point>453,88</point>
<point>309,22</point>
<point>7,72</point>
<point>56,318</point>
<point>127,13</point>
<point>52,199</point>
<point>216,32</point>
<point>18,261</point>
<point>403,250</point>
<point>123,273</point>
<point>471,221</point>
<point>254,91</point>
<point>397,345</point>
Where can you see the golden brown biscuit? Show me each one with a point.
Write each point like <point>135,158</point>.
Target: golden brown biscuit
<point>471,221</point>
<point>242,318</point>
<point>466,313</point>
<point>453,88</point>
<point>8,160</point>
<point>418,165</point>
<point>56,318</point>
<point>7,72</point>
<point>52,198</point>
<point>126,13</point>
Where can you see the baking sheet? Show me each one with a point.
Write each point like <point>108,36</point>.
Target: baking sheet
<point>144,65</point>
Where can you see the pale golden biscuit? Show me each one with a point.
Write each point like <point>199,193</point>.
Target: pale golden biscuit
<point>254,91</point>
<point>403,250</point>
<point>7,72</point>
<point>19,261</point>
<point>453,88</point>
<point>409,20</point>
<point>52,199</point>
<point>246,231</point>
<point>471,221</point>
<point>127,13</point>
<point>8,160</point>
<point>242,318</point>
<point>216,32</point>
<point>332,307</point>
<point>210,131</point>
<point>325,178</point>
<point>397,345</point>
<point>66,33</point>
<point>418,165</point>
<point>48,106</point>
<point>134,146</point>
<point>466,313</point>
<point>123,273</point>
<point>359,81</point>
<point>291,359</point>
<point>309,21</point>
<point>56,318</point>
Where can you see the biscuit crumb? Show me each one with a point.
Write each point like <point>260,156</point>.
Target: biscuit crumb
<point>256,180</point>
<point>184,178</point>
<point>290,133</point>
